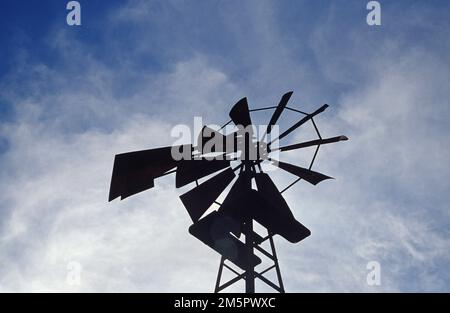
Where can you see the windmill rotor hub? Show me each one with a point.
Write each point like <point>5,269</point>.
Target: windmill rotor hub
<point>253,151</point>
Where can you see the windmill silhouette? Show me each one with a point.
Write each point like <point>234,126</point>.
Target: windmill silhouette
<point>222,230</point>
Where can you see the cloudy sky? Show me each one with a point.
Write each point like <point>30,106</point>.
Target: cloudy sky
<point>73,97</point>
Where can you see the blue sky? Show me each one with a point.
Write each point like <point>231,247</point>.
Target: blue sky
<point>73,97</point>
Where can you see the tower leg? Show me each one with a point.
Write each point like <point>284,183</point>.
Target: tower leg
<point>219,275</point>
<point>277,266</point>
<point>250,272</point>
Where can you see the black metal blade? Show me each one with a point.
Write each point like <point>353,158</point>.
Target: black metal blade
<point>278,218</point>
<point>310,176</point>
<point>214,231</point>
<point>276,115</point>
<point>303,121</point>
<point>313,143</point>
<point>240,113</point>
<point>134,172</point>
<point>210,140</point>
<point>199,199</point>
<point>267,207</point>
<point>191,170</point>
<point>234,204</point>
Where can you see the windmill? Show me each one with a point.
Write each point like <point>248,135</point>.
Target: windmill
<point>211,158</point>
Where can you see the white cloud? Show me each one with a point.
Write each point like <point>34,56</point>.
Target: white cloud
<point>55,193</point>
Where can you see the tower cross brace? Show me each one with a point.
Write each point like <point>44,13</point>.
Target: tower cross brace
<point>250,274</point>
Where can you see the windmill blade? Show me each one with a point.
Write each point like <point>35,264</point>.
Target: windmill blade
<point>276,115</point>
<point>280,219</point>
<point>240,113</point>
<point>214,231</point>
<point>234,204</point>
<point>269,191</point>
<point>189,171</point>
<point>310,176</point>
<point>266,206</point>
<point>312,143</point>
<point>199,199</point>
<point>134,172</point>
<point>303,121</point>
<point>220,143</point>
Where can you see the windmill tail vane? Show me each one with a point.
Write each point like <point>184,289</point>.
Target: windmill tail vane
<point>229,230</point>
